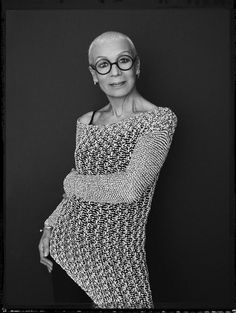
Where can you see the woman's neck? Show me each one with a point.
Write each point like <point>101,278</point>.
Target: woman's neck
<point>126,105</point>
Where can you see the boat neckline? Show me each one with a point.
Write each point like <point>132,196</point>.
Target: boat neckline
<point>133,115</point>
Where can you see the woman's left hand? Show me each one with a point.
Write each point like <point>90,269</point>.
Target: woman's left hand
<point>44,248</point>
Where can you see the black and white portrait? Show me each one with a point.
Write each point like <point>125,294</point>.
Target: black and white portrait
<point>118,156</point>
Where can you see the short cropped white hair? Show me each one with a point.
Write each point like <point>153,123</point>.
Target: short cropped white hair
<point>107,36</point>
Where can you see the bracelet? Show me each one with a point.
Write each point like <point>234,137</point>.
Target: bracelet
<point>47,227</point>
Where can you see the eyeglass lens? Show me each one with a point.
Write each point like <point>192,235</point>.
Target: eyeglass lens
<point>124,63</point>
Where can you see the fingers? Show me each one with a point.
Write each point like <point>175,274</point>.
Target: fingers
<point>47,263</point>
<point>44,252</point>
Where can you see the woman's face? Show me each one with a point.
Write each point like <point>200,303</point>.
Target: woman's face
<point>111,51</point>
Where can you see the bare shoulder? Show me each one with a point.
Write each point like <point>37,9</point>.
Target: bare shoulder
<point>85,118</point>
<point>148,106</point>
<point>151,106</point>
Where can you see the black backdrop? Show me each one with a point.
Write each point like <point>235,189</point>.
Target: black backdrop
<point>185,65</point>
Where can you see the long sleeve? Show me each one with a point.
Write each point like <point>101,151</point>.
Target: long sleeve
<point>148,156</point>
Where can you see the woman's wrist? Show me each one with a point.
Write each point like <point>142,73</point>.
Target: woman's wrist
<point>46,228</point>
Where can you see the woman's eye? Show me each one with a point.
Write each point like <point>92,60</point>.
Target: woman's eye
<point>124,60</point>
<point>102,64</point>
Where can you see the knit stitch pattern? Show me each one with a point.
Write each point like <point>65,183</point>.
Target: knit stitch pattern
<point>98,234</point>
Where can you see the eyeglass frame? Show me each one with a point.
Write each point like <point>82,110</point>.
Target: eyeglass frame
<point>112,63</point>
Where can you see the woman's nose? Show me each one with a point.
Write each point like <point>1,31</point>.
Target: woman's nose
<point>115,70</point>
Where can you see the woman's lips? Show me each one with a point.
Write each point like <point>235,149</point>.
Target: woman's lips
<point>117,84</point>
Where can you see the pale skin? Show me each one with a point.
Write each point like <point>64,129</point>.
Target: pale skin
<point>44,245</point>
<point>44,249</point>
<point>123,101</point>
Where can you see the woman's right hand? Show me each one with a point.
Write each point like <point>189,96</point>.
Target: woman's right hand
<point>43,246</point>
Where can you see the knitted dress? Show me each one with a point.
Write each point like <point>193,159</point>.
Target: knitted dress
<point>98,234</point>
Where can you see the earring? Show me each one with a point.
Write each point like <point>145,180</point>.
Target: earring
<point>138,73</point>
<point>95,83</point>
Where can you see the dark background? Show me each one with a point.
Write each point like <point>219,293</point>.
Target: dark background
<point>185,65</point>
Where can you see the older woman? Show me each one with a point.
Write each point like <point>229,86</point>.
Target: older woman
<point>97,232</point>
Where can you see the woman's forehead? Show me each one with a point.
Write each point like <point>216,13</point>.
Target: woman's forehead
<point>110,48</point>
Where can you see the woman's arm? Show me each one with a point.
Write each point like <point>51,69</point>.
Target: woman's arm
<point>145,164</point>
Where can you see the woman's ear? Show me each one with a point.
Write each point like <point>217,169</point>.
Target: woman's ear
<point>137,66</point>
<point>95,80</point>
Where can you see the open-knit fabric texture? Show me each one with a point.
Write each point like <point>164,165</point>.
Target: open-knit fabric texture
<point>98,234</point>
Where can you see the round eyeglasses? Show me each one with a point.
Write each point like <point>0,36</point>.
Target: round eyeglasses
<point>124,63</point>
